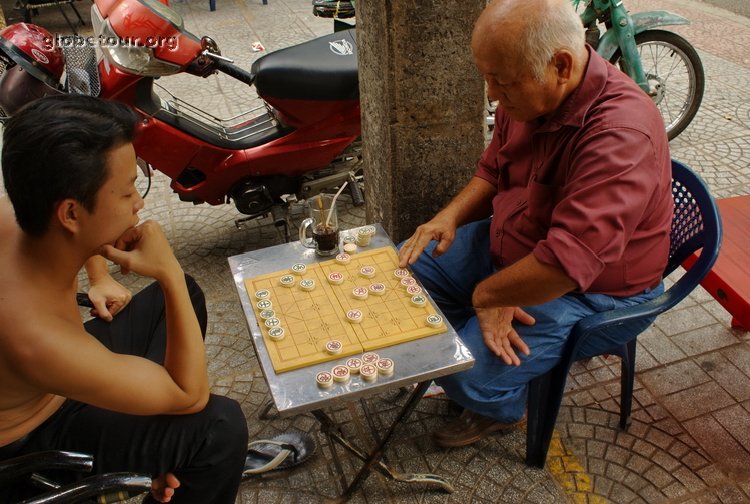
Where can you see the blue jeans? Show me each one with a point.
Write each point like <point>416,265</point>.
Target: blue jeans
<point>493,388</point>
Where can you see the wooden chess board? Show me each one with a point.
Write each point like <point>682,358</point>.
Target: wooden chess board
<point>312,318</point>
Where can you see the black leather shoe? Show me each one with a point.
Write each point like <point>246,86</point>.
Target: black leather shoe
<point>469,428</point>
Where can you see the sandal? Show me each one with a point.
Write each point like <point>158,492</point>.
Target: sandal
<point>287,450</point>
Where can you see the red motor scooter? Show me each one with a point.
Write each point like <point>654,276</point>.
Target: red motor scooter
<point>298,143</point>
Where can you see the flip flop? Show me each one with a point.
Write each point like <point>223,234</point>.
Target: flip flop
<point>287,450</point>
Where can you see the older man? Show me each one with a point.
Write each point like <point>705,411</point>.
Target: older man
<point>568,213</point>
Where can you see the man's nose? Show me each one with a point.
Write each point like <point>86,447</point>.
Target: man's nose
<point>139,204</point>
<point>492,93</point>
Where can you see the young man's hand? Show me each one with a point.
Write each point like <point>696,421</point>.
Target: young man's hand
<point>144,250</point>
<point>108,296</point>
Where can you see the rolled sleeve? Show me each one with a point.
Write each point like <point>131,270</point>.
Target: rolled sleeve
<point>566,252</point>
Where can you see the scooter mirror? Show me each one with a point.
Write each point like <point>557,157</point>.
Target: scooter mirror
<point>210,45</point>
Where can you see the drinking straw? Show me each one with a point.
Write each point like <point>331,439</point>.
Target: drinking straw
<point>333,203</point>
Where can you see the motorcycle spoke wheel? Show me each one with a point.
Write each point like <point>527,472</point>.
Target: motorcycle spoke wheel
<point>674,73</point>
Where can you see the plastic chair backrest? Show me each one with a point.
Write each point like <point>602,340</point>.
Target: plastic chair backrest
<point>695,221</point>
<point>695,225</point>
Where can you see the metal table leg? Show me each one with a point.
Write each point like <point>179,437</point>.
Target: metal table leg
<point>373,459</point>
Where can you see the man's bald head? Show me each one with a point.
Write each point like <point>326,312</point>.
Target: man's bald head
<point>528,32</point>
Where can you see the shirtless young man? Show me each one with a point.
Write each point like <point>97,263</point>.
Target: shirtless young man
<point>130,386</point>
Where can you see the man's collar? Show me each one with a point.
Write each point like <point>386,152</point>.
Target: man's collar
<point>574,108</point>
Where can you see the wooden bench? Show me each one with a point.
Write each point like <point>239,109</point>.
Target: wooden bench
<point>729,279</point>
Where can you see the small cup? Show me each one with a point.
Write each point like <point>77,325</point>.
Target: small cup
<point>324,224</point>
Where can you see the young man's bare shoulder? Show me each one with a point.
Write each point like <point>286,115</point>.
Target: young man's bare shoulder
<point>28,328</point>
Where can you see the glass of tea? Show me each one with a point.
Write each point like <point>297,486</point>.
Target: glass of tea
<point>322,224</point>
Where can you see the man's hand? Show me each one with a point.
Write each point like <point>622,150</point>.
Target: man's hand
<point>440,228</point>
<point>108,296</point>
<point>498,332</point>
<point>144,250</point>
<point>162,487</point>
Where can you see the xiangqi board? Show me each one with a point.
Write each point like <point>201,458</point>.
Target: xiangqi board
<point>365,303</point>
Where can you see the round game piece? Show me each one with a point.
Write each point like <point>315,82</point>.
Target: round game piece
<point>334,347</point>
<point>307,284</point>
<point>363,241</point>
<point>366,231</point>
<point>343,258</point>
<point>368,372</point>
<point>287,281</point>
<point>336,278</point>
<point>272,322</point>
<point>340,373</point>
<point>262,294</point>
<point>350,248</point>
<point>364,234</point>
<point>370,358</point>
<point>276,333</point>
<point>385,367</point>
<point>367,271</point>
<point>324,379</point>
<point>408,282</point>
<point>267,314</point>
<point>378,289</point>
<point>299,269</point>
<point>354,316</point>
<point>349,239</point>
<point>434,320</point>
<point>418,300</point>
<point>360,292</point>
<point>264,304</point>
<point>401,273</point>
<point>413,290</point>
<point>354,364</point>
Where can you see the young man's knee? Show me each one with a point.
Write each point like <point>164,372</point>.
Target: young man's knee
<point>228,426</point>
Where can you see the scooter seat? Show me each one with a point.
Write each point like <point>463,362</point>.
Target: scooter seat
<point>324,68</point>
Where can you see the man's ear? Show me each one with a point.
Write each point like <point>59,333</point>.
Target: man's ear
<point>562,60</point>
<point>69,214</point>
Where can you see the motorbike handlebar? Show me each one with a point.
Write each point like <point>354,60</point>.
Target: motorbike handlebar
<point>234,71</point>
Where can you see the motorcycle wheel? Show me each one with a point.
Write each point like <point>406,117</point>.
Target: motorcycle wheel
<point>675,75</point>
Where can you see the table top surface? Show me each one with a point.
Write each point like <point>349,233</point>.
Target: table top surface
<point>732,265</point>
<point>297,391</point>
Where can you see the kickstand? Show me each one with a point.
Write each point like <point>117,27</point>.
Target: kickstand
<point>280,216</point>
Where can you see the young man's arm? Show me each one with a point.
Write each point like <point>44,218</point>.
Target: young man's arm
<point>58,356</point>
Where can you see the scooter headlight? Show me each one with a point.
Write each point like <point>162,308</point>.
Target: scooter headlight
<point>131,57</point>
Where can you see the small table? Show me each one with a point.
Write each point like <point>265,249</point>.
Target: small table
<point>729,280</point>
<point>293,392</point>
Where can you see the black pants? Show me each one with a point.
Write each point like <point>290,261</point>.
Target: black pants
<point>205,450</point>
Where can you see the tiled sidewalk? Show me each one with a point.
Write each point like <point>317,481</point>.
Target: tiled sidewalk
<point>690,436</point>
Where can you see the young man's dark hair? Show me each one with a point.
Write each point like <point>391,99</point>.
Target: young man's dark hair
<point>77,148</point>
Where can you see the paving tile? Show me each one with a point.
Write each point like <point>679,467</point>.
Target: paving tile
<point>679,321</point>
<point>659,346</point>
<point>724,450</point>
<point>704,339</point>
<point>726,374</point>
<point>695,401</point>
<point>736,421</point>
<point>673,378</point>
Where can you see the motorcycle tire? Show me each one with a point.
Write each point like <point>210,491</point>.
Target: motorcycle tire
<point>674,72</point>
